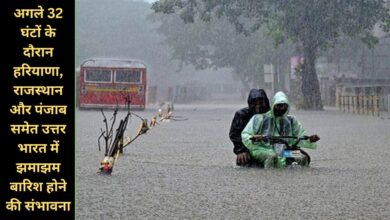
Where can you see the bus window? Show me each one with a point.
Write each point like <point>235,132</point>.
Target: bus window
<point>97,76</point>
<point>122,76</point>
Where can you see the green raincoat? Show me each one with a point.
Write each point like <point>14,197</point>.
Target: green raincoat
<point>269,125</point>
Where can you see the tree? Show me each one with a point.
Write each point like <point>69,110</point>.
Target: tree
<point>314,25</point>
<point>216,44</point>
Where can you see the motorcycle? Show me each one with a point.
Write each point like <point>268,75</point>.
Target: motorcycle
<point>293,154</point>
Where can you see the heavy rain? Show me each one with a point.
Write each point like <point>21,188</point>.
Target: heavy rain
<point>176,73</point>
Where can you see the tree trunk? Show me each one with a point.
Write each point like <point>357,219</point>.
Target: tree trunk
<point>310,84</point>
<point>246,87</point>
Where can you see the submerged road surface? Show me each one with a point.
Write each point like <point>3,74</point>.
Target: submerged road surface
<point>185,170</point>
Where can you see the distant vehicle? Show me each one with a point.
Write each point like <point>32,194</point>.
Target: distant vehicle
<point>104,83</point>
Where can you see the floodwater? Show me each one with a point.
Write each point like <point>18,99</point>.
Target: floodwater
<point>185,170</point>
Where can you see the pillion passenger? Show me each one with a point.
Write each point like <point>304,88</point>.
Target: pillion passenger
<point>258,103</point>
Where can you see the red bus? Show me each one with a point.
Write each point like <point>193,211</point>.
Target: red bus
<point>104,83</point>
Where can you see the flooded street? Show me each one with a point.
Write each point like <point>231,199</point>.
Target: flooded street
<point>321,53</point>
<point>186,170</point>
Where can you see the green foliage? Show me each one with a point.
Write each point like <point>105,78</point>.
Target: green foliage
<point>319,21</point>
<point>216,44</point>
<point>316,25</point>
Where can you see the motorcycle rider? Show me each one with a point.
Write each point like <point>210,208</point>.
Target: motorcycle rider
<point>258,103</point>
<point>275,122</point>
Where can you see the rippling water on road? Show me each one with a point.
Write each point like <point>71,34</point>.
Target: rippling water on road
<point>185,170</point>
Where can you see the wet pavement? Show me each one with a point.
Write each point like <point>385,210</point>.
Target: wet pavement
<point>185,170</point>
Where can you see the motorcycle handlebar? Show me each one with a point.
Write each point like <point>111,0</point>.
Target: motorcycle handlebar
<point>281,139</point>
<point>291,137</point>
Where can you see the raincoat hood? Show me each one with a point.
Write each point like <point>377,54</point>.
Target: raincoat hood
<point>255,94</point>
<point>279,98</point>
